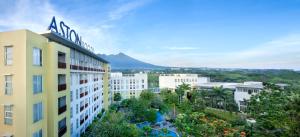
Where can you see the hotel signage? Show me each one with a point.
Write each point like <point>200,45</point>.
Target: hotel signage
<point>68,33</point>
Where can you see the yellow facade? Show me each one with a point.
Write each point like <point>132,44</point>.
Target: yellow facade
<point>22,71</point>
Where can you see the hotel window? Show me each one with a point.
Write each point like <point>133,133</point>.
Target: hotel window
<point>37,84</point>
<point>62,106</point>
<point>61,60</point>
<point>8,56</point>
<point>37,112</point>
<point>37,56</point>
<point>38,133</point>
<point>62,82</point>
<point>8,85</point>
<point>8,115</point>
<point>62,127</point>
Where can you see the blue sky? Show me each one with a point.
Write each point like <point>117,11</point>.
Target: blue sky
<point>189,33</point>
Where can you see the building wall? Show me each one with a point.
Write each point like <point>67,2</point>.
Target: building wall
<point>107,95</point>
<point>37,41</point>
<point>128,85</point>
<point>19,96</point>
<point>171,81</point>
<point>52,86</point>
<point>23,98</point>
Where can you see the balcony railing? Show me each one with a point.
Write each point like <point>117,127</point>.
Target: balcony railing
<point>76,67</point>
<point>62,109</point>
<point>62,87</point>
<point>62,131</point>
<point>62,65</point>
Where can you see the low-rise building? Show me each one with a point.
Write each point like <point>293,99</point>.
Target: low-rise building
<point>128,85</point>
<point>244,91</point>
<point>212,85</point>
<point>171,81</point>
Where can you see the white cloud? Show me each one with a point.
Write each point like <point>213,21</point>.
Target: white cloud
<point>281,53</point>
<point>124,9</point>
<point>182,48</point>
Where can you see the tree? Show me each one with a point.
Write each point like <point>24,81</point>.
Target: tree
<point>181,90</point>
<point>147,95</point>
<point>198,105</point>
<point>275,112</point>
<point>112,125</point>
<point>117,97</point>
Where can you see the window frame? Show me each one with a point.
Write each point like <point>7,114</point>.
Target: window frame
<point>39,84</point>
<point>8,112</point>
<point>6,55</point>
<point>40,56</point>
<point>8,90</point>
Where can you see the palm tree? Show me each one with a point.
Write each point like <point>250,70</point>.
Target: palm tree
<point>219,93</point>
<point>181,90</point>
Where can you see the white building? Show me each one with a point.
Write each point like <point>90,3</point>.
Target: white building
<point>171,81</point>
<point>128,85</point>
<point>86,91</point>
<point>211,85</point>
<point>244,92</point>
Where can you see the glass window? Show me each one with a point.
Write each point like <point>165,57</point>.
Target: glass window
<point>61,101</point>
<point>37,56</point>
<point>8,115</point>
<point>37,84</point>
<point>8,56</point>
<point>62,124</point>
<point>8,85</point>
<point>61,79</point>
<point>37,112</point>
<point>38,133</point>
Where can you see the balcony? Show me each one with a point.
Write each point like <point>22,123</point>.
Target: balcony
<point>62,131</point>
<point>62,87</point>
<point>81,108</point>
<point>86,93</point>
<point>86,105</point>
<point>61,65</point>
<point>81,95</point>
<point>81,121</point>
<point>62,110</point>
<point>86,81</point>
<point>86,117</point>
<point>80,68</point>
<point>81,81</point>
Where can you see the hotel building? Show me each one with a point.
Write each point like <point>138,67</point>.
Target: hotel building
<point>171,81</point>
<point>51,87</point>
<point>244,91</point>
<point>128,85</point>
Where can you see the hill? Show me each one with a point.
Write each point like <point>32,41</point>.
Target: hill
<point>123,61</point>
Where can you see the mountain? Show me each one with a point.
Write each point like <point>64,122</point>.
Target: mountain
<point>123,61</point>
